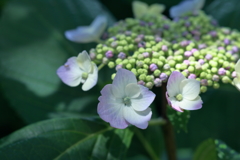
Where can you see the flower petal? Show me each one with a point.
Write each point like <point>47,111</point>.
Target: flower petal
<point>175,104</point>
<point>92,79</point>
<point>82,34</point>
<point>144,100</point>
<point>237,67</point>
<point>156,8</point>
<point>110,109</point>
<point>173,84</point>
<point>191,104</point>
<point>122,79</point>
<point>139,8</point>
<point>98,26</point>
<point>190,88</point>
<point>137,118</point>
<point>84,61</point>
<point>236,82</point>
<point>70,73</point>
<point>132,90</point>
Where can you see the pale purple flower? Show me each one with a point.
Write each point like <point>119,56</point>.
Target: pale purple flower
<point>208,56</point>
<point>78,70</point>
<point>188,53</point>
<point>86,34</point>
<point>192,76</point>
<point>163,76</point>
<point>186,6</point>
<point>125,102</point>
<point>236,81</point>
<point>221,71</point>
<point>183,93</point>
<point>153,67</point>
<point>201,61</point>
<point>109,54</point>
<point>122,55</point>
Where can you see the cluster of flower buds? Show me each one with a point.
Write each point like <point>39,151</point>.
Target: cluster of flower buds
<point>150,49</point>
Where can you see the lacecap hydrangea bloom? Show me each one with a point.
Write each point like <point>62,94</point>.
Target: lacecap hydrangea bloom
<point>183,93</point>
<point>125,102</point>
<point>78,70</point>
<point>86,34</point>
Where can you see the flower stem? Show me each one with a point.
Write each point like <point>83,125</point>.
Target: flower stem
<point>100,66</point>
<point>167,129</point>
<point>157,121</point>
<point>146,144</point>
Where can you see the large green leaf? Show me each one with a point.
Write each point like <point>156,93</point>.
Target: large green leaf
<point>212,149</point>
<point>226,12</point>
<point>33,46</point>
<point>66,138</point>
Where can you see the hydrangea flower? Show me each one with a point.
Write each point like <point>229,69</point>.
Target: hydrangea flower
<point>186,6</point>
<point>141,8</point>
<point>86,34</point>
<point>125,102</point>
<point>236,81</point>
<point>78,70</point>
<point>183,93</point>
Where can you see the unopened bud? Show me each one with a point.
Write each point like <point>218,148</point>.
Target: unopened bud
<point>158,82</point>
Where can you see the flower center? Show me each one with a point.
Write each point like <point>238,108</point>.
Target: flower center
<point>127,101</point>
<point>179,97</point>
<point>85,75</point>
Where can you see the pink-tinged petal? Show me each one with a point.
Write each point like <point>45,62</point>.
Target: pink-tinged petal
<point>123,78</point>
<point>132,90</point>
<point>173,84</point>
<point>175,104</point>
<point>190,88</point>
<point>236,82</point>
<point>92,79</point>
<point>70,72</point>
<point>137,118</point>
<point>191,104</point>
<point>84,62</point>
<point>83,34</point>
<point>111,109</point>
<point>144,100</point>
<point>237,67</point>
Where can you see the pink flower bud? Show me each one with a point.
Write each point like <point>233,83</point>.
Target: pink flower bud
<point>221,71</point>
<point>153,67</point>
<point>109,54</point>
<point>192,76</point>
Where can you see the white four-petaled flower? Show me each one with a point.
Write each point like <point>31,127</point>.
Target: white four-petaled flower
<point>125,102</point>
<point>186,6</point>
<point>86,34</point>
<point>236,81</point>
<point>79,70</point>
<point>183,93</point>
<point>141,8</point>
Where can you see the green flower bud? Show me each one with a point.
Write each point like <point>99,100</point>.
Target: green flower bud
<point>209,76</point>
<point>159,64</point>
<point>203,75</point>
<point>203,89</point>
<point>220,61</point>
<point>132,61</point>
<point>129,66</point>
<point>99,46</point>
<point>118,61</point>
<point>145,66</point>
<point>134,71</point>
<point>100,51</point>
<point>125,62</point>
<point>99,56</point>
<point>147,60</point>
<point>225,79</point>
<point>141,50</point>
<point>210,82</point>
<point>213,63</point>
<point>120,49</point>
<point>154,60</point>
<point>183,66</point>
<point>105,49</point>
<point>149,78</point>
<point>149,85</point>
<point>214,70</point>
<point>185,74</point>
<point>216,85</point>
<point>191,69</point>
<point>111,64</point>
<point>172,63</point>
<point>142,77</point>
<point>191,58</point>
<point>113,76</point>
<point>156,73</point>
<point>155,55</point>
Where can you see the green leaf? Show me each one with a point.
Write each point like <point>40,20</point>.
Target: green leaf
<point>206,151</point>
<point>212,149</point>
<point>223,9</point>
<point>66,138</point>
<point>178,119</point>
<point>33,46</point>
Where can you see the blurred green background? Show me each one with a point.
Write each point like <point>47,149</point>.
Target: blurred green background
<point>32,47</point>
